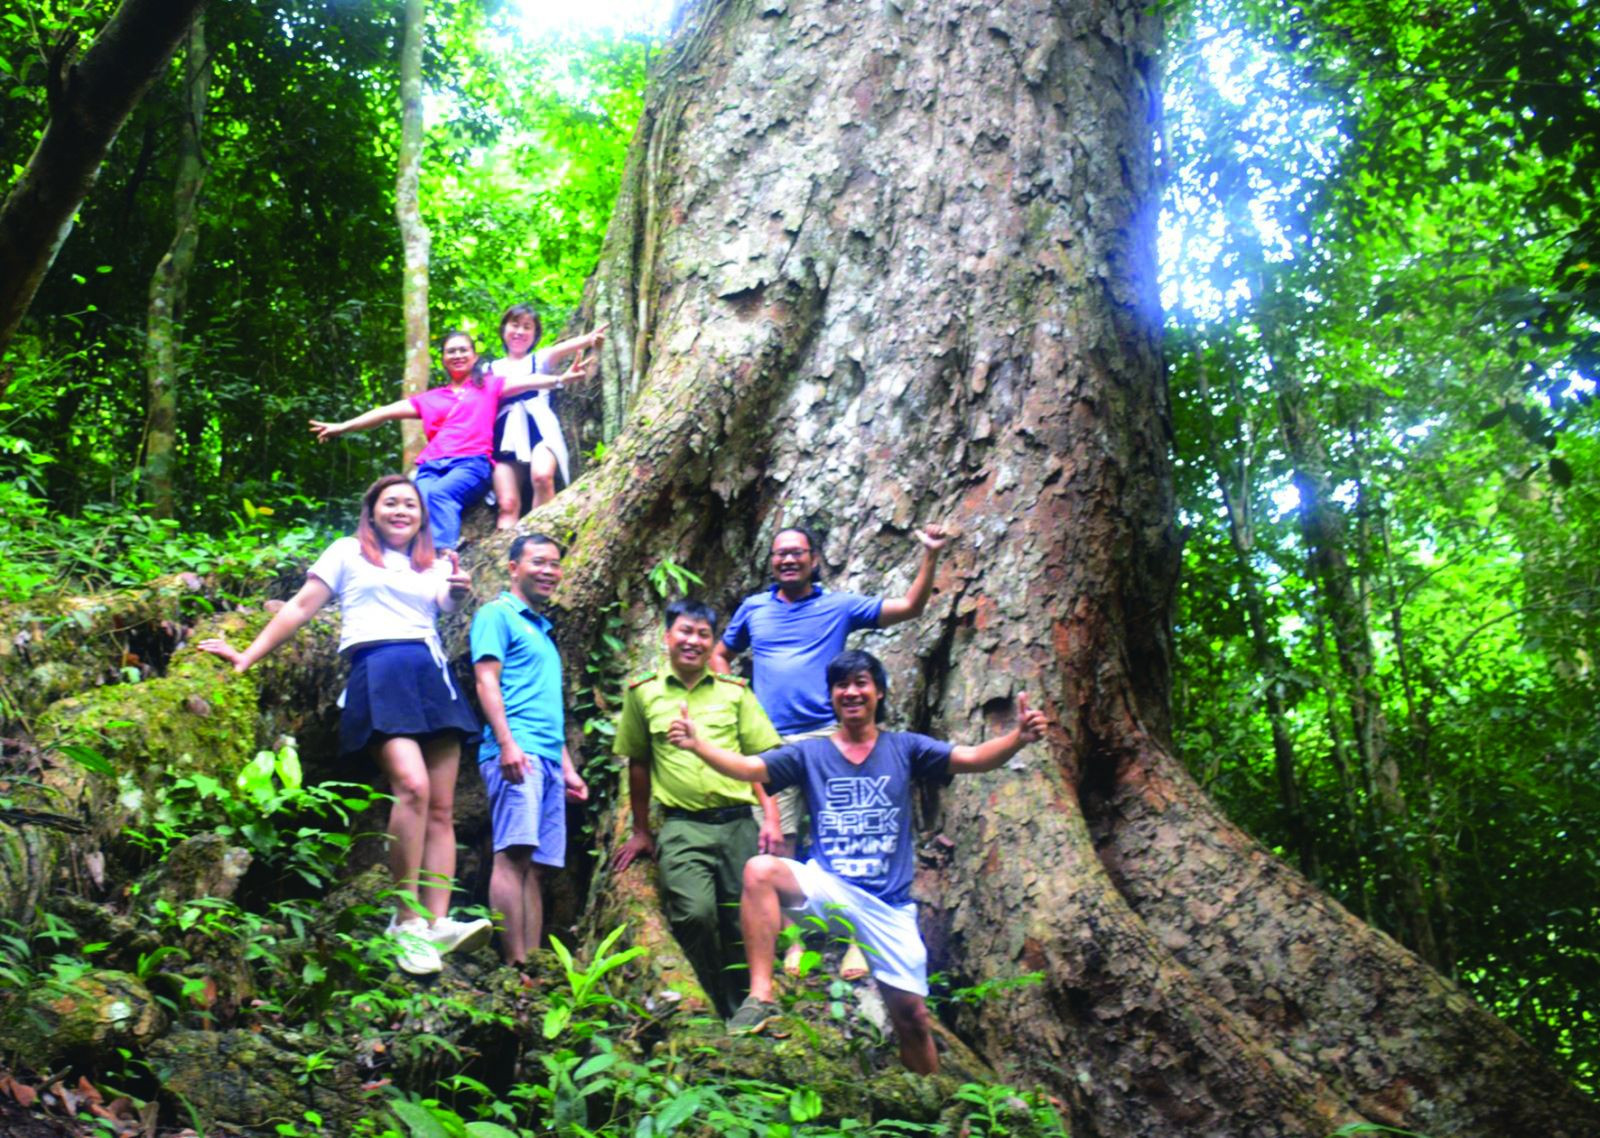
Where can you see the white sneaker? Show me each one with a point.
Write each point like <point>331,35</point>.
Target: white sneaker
<point>414,950</point>
<point>449,935</point>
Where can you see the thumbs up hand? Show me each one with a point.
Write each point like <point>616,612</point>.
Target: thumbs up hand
<point>459,580</point>
<point>1030,720</point>
<point>681,732</point>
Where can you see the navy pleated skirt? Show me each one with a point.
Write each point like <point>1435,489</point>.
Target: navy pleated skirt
<point>395,688</point>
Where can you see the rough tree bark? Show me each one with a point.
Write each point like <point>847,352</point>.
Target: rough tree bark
<point>880,264</point>
<point>414,235</point>
<point>89,98</point>
<point>169,284</point>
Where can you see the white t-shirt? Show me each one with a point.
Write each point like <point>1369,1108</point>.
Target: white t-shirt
<point>394,602</point>
<point>521,369</point>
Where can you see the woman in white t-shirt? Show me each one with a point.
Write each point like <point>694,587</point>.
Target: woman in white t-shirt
<point>526,430</point>
<point>400,704</point>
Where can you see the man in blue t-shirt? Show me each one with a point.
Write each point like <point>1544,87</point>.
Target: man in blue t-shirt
<point>523,757</point>
<point>857,783</point>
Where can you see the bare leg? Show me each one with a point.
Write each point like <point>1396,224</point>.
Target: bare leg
<point>507,495</point>
<point>514,891</point>
<point>909,1013</point>
<point>443,756</point>
<point>401,760</point>
<point>542,472</point>
<point>797,947</point>
<point>769,886</point>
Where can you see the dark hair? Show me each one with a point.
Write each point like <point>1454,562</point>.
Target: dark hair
<point>813,546</point>
<point>421,550</point>
<point>853,660</point>
<point>520,310</point>
<point>693,609</point>
<point>478,366</point>
<point>523,540</point>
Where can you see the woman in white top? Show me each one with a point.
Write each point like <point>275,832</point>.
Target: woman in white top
<point>526,430</point>
<point>400,703</point>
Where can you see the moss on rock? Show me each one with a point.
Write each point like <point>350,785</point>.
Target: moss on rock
<point>249,1083</point>
<point>54,645</point>
<point>83,1019</point>
<point>191,720</point>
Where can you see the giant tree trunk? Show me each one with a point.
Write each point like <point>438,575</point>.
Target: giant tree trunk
<point>414,236</point>
<point>879,264</point>
<point>89,98</point>
<point>169,284</point>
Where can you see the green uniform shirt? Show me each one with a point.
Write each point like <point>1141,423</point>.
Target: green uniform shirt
<point>725,711</point>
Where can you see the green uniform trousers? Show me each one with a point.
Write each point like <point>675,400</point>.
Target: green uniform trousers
<point>701,869</point>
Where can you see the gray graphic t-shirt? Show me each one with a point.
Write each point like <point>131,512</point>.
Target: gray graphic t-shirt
<point>861,814</point>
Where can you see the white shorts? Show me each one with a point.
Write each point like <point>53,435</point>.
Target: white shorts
<point>887,933</point>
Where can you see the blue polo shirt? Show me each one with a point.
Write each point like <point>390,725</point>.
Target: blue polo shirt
<point>508,630</point>
<point>792,642</point>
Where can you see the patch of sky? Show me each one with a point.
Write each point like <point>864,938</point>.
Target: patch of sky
<point>617,17</point>
<point>1243,163</point>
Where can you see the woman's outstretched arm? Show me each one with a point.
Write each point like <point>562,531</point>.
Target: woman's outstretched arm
<point>284,624</point>
<point>365,421</point>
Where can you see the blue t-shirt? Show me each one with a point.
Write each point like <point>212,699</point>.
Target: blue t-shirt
<point>792,642</point>
<point>861,814</point>
<point>530,677</point>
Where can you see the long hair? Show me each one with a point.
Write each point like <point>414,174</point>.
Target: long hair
<point>421,548</point>
<point>479,368</point>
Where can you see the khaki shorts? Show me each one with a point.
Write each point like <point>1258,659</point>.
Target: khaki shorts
<point>791,805</point>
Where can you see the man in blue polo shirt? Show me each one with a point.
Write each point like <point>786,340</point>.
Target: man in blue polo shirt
<point>523,757</point>
<point>796,626</point>
<point>793,629</point>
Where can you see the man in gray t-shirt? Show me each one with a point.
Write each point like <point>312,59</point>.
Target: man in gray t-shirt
<point>857,783</point>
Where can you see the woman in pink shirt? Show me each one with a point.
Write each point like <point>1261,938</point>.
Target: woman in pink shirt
<point>453,470</point>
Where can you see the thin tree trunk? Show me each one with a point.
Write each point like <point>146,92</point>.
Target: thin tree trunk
<point>1323,528</point>
<point>169,285</point>
<point>1358,824</point>
<point>89,98</point>
<point>1233,482</point>
<point>1441,911</point>
<point>414,234</point>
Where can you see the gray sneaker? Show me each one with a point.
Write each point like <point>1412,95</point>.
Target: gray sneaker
<point>414,952</point>
<point>448,935</point>
<point>753,1016</point>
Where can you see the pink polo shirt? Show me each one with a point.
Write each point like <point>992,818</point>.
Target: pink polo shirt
<point>459,421</point>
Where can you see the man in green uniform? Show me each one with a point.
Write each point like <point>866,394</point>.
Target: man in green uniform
<point>708,833</point>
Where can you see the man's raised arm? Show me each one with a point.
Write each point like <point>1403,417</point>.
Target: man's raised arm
<point>985,756</point>
<point>933,538</point>
<point>745,768</point>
